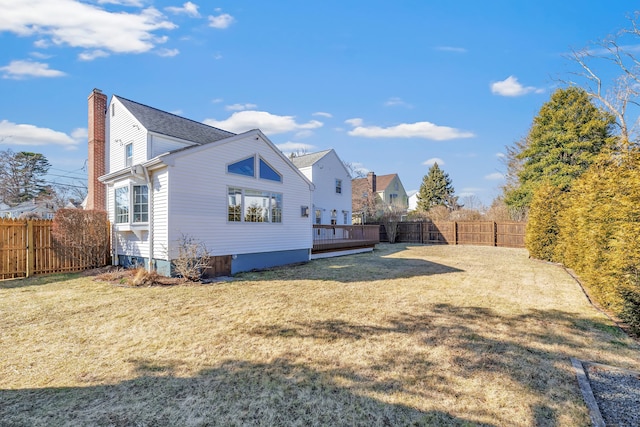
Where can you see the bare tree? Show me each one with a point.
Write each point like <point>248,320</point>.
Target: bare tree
<point>354,171</point>
<point>620,95</point>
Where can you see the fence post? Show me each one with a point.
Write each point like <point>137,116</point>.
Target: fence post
<point>455,232</point>
<point>495,234</point>
<point>31,259</point>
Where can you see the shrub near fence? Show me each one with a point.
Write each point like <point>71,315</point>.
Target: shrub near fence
<point>28,247</point>
<point>489,233</point>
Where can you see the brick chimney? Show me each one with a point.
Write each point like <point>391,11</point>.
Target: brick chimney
<point>96,197</point>
<point>371,179</point>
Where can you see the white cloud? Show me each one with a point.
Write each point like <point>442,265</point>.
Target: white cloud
<point>434,160</point>
<point>217,100</point>
<point>221,21</point>
<point>93,54</point>
<point>359,169</point>
<point>322,114</point>
<point>304,134</point>
<point>496,176</point>
<point>30,135</point>
<point>424,130</point>
<point>470,191</point>
<point>40,55</point>
<point>268,123</point>
<point>512,87</point>
<point>135,3</point>
<point>80,133</point>
<point>396,102</point>
<point>42,44</point>
<point>239,107</point>
<point>354,122</point>
<point>83,25</point>
<point>168,52</point>
<point>451,49</point>
<point>293,147</point>
<point>501,155</point>
<point>24,69</point>
<point>189,9</point>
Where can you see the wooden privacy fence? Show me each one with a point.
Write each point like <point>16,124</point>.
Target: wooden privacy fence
<point>490,233</point>
<point>27,247</point>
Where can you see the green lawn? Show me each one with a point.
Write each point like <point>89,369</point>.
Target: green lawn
<point>406,335</point>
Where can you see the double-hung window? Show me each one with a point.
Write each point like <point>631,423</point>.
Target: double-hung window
<point>338,186</point>
<point>122,205</point>
<point>128,154</point>
<point>136,196</point>
<point>140,203</point>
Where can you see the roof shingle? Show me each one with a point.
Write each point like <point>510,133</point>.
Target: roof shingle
<point>168,124</point>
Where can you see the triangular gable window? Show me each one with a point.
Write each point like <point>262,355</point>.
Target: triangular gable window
<point>267,172</point>
<point>244,167</point>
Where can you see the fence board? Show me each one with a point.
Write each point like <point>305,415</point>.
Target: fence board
<point>490,233</point>
<point>476,233</point>
<point>13,248</point>
<point>18,259</point>
<point>510,234</point>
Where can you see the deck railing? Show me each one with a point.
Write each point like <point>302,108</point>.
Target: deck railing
<point>328,238</point>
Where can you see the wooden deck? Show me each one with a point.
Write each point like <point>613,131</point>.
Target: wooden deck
<point>333,238</point>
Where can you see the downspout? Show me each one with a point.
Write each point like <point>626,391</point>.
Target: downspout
<point>152,263</point>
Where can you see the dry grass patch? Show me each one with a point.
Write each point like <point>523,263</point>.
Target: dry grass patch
<point>423,335</point>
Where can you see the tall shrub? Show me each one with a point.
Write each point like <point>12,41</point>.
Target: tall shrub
<point>82,234</point>
<point>542,228</point>
<point>600,234</point>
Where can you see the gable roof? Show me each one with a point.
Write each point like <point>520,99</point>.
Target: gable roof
<point>383,181</point>
<point>168,124</point>
<point>307,160</point>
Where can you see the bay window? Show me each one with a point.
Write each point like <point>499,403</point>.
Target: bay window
<point>136,196</point>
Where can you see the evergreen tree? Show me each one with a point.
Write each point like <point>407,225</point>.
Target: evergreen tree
<point>566,137</point>
<point>22,176</point>
<point>436,190</point>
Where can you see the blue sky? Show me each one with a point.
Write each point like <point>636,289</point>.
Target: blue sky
<point>392,86</point>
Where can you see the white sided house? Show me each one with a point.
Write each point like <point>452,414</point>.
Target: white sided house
<point>167,178</point>
<point>332,181</point>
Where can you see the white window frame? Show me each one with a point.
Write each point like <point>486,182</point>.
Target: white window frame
<point>128,219</point>
<point>140,209</point>
<point>120,217</point>
<point>270,208</point>
<point>128,154</point>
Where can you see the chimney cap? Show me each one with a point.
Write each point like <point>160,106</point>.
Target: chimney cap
<point>96,90</point>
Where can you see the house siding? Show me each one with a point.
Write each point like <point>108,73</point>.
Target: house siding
<point>160,145</point>
<point>324,173</point>
<point>122,129</point>
<point>160,202</point>
<point>198,206</point>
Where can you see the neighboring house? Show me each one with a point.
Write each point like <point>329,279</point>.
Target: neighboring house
<point>166,177</point>
<point>374,194</point>
<point>332,181</point>
<point>44,209</point>
<point>392,192</point>
<point>413,200</point>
